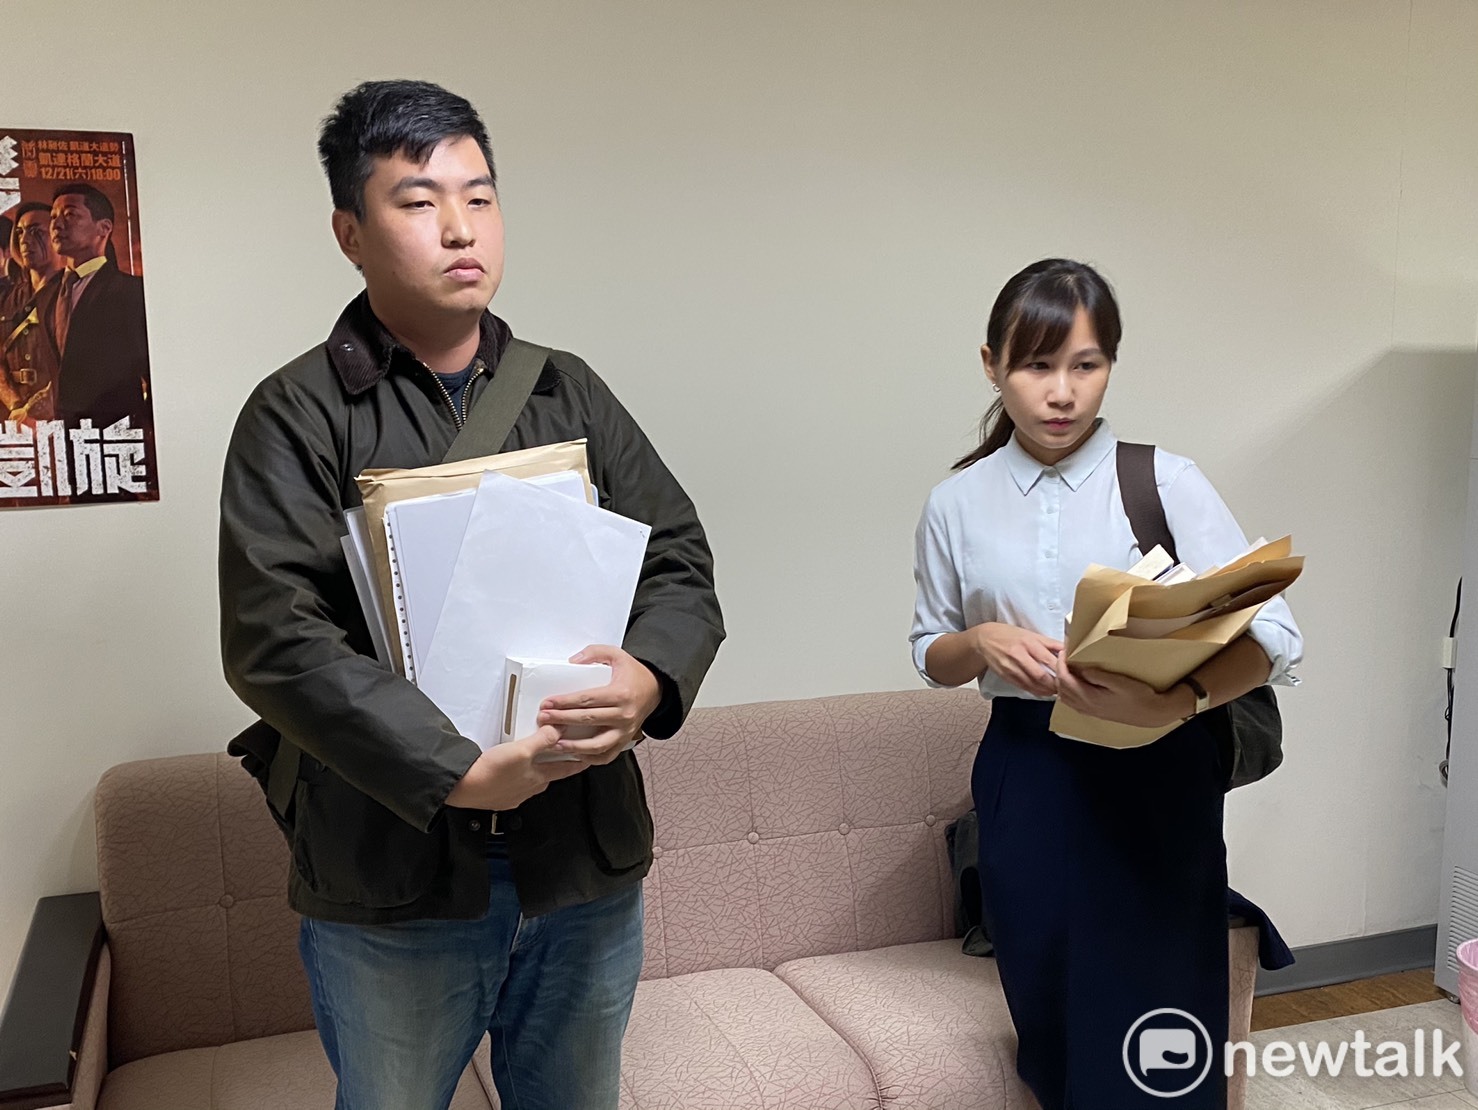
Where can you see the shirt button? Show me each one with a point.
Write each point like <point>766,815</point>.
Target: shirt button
<point>475,825</point>
<point>753,838</point>
<point>346,347</point>
<point>931,820</point>
<point>514,822</point>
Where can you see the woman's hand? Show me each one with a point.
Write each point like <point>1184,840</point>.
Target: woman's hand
<point>1126,701</point>
<point>1027,660</point>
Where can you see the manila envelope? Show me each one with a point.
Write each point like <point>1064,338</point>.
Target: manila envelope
<point>379,488</point>
<point>1110,605</point>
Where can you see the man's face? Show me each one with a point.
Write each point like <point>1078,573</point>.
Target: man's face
<point>430,241</point>
<point>74,232</point>
<point>33,230</point>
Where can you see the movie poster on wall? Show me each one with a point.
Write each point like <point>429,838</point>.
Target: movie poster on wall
<point>76,404</point>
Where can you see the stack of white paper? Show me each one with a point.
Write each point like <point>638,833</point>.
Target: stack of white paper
<point>515,567</point>
<point>538,575</point>
<point>424,537</point>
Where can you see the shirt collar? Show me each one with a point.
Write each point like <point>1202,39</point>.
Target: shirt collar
<point>91,266</point>
<point>1075,469</point>
<point>362,351</point>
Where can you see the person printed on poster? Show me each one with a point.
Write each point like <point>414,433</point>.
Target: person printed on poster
<point>76,408</point>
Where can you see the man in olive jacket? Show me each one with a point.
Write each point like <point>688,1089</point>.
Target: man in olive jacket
<point>446,892</point>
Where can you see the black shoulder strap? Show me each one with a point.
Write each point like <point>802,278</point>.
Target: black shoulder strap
<point>496,411</point>
<point>1141,497</point>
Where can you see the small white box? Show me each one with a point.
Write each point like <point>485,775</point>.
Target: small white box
<point>530,681</point>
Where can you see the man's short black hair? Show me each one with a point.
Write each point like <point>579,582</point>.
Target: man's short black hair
<point>96,200</point>
<point>381,118</point>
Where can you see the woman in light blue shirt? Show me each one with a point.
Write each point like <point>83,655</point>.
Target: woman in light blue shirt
<point>1103,871</point>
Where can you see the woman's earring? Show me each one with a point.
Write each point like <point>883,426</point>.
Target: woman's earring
<point>995,388</point>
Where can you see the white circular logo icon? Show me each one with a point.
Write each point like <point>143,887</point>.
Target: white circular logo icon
<point>1163,1043</point>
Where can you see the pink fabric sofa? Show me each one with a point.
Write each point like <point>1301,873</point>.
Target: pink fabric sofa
<point>799,930</point>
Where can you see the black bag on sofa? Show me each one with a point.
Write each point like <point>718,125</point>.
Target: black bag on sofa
<point>962,842</point>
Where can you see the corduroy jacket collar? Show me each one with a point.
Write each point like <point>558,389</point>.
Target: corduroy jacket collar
<point>362,351</point>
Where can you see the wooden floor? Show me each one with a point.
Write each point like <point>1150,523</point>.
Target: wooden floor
<point>1344,1000</point>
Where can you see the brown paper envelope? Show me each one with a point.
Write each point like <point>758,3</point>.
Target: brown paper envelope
<point>1161,663</point>
<point>1144,629</point>
<point>1164,662</point>
<point>1099,590</point>
<point>1109,598</point>
<point>381,488</point>
<point>1277,549</point>
<point>1160,602</point>
<point>1098,585</point>
<point>1101,587</point>
<point>1115,615</point>
<point>1072,724</point>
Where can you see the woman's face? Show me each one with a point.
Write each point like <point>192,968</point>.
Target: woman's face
<point>1054,399</point>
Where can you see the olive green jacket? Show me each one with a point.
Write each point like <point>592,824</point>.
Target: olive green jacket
<point>364,806</point>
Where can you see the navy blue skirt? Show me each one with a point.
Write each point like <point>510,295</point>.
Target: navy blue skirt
<point>1104,880</point>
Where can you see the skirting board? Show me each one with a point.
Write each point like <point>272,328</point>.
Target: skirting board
<point>1343,961</point>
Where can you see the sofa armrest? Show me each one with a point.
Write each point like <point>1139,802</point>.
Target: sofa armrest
<point>41,1026</point>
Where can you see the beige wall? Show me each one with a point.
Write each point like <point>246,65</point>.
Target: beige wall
<point>776,228</point>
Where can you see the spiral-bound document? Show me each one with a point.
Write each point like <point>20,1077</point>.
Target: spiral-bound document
<point>422,538</point>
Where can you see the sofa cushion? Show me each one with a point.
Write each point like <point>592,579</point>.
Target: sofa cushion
<point>286,1072</point>
<point>932,1023</point>
<point>717,1040</point>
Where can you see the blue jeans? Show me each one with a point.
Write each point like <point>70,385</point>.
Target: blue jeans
<point>400,1008</point>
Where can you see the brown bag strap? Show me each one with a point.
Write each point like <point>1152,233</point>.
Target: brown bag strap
<point>1141,496</point>
<point>496,411</point>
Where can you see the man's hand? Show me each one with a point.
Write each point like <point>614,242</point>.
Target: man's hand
<point>1126,701</point>
<point>615,712</point>
<point>506,776</point>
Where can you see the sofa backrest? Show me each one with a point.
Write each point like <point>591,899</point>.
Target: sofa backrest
<point>804,828</point>
<point>193,875</point>
<point>784,829</point>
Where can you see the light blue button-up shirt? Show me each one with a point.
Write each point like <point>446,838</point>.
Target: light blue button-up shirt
<point>1007,540</point>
